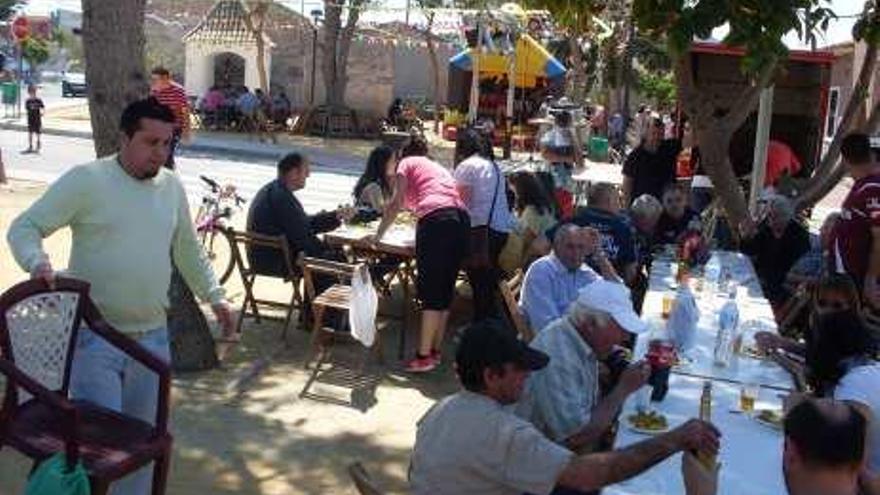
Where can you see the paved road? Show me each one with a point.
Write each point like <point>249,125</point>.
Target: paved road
<point>326,189</point>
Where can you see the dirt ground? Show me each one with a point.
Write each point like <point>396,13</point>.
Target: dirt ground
<point>244,429</point>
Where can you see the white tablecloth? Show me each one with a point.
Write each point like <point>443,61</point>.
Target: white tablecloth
<point>754,314</point>
<point>751,453</point>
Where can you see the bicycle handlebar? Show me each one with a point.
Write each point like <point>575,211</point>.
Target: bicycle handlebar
<point>210,182</point>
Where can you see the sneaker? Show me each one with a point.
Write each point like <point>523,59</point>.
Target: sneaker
<point>420,365</point>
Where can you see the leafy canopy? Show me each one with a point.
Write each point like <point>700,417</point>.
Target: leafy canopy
<point>756,25</point>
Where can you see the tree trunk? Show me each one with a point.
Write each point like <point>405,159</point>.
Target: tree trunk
<point>337,43</point>
<point>113,44</point>
<point>715,118</point>
<point>2,169</point>
<point>435,70</point>
<point>819,187</point>
<point>256,20</point>
<point>332,26</point>
<point>578,83</point>
<point>714,155</point>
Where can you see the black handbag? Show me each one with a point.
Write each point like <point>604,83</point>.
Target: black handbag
<point>478,241</point>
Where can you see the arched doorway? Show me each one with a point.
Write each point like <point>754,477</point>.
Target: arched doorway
<point>229,70</point>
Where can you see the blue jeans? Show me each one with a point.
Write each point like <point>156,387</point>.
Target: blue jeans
<point>104,375</point>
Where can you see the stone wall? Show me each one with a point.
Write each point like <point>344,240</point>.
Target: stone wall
<point>413,77</point>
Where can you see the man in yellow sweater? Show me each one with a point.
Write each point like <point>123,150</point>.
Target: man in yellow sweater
<point>129,219</point>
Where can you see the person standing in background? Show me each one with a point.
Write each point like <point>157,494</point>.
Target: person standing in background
<point>173,96</point>
<point>34,107</point>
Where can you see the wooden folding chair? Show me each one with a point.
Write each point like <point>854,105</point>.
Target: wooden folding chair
<point>362,481</point>
<point>510,290</point>
<point>338,297</point>
<point>250,305</point>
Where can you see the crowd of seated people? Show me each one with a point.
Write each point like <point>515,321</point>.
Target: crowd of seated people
<point>240,109</point>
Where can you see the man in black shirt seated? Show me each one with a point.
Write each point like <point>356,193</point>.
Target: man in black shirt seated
<point>276,211</point>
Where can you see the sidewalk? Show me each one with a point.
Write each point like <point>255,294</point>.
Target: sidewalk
<point>344,155</point>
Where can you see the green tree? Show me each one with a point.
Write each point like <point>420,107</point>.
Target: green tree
<point>6,8</point>
<point>758,27</point>
<point>659,88</point>
<point>35,51</point>
<point>576,19</point>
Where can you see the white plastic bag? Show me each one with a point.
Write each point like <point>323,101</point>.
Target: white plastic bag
<point>364,305</point>
<point>683,318</point>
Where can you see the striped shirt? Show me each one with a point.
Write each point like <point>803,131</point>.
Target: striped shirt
<point>174,97</point>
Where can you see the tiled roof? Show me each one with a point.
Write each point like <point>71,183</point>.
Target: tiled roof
<point>225,23</point>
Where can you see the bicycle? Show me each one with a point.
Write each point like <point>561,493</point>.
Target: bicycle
<point>211,219</point>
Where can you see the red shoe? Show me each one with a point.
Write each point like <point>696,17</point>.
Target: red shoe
<point>420,365</point>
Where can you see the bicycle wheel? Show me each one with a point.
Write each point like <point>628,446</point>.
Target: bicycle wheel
<point>220,254</point>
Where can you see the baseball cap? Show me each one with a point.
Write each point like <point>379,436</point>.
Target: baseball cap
<point>612,298</point>
<point>491,343</point>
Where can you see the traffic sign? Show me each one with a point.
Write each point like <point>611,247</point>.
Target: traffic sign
<point>21,28</point>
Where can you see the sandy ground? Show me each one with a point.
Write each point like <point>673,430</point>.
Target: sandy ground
<point>261,437</point>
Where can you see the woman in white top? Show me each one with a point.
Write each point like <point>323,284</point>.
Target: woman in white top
<point>481,186</point>
<point>842,364</point>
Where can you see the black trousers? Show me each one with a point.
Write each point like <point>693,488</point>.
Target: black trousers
<point>484,281</point>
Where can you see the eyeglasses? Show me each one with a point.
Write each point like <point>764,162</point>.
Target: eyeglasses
<point>832,305</point>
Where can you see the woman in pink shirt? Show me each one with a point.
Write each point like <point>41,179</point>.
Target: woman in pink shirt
<point>428,189</point>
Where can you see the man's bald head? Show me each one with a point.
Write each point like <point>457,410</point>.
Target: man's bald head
<point>570,245</point>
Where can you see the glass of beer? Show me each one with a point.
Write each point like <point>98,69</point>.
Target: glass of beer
<point>748,395</point>
<point>668,301</point>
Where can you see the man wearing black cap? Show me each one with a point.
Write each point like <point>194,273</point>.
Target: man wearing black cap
<point>470,443</point>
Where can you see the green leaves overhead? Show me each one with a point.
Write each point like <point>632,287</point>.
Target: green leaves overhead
<point>758,26</point>
<point>867,28</point>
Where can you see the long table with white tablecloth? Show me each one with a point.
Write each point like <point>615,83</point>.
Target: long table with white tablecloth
<point>751,451</point>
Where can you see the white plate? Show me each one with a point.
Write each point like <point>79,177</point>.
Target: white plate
<point>768,424</point>
<point>642,431</point>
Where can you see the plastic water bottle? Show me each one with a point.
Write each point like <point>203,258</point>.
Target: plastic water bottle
<point>713,269</point>
<point>728,320</point>
<point>712,273</point>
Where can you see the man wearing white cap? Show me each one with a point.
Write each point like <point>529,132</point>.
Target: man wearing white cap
<point>562,400</point>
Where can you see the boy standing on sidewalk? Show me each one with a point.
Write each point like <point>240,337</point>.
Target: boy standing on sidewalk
<point>34,107</point>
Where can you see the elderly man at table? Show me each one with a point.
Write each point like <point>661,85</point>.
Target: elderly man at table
<point>563,399</point>
<point>823,455</point>
<point>552,282</point>
<point>276,211</point>
<point>471,443</point>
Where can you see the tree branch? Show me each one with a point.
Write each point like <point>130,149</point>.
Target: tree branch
<point>820,185</point>
<point>856,99</point>
<point>745,104</point>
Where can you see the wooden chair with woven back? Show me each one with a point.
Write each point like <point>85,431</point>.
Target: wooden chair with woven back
<point>243,243</point>
<point>510,290</point>
<point>39,327</point>
<point>337,296</point>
